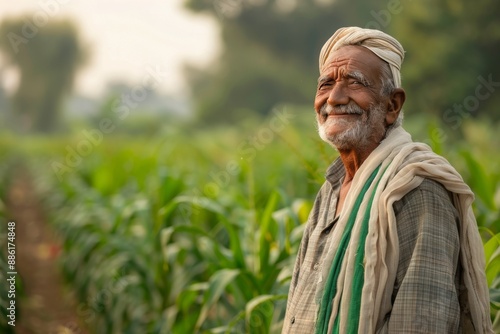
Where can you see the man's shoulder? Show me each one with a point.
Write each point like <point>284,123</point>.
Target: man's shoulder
<point>429,192</point>
<point>430,185</point>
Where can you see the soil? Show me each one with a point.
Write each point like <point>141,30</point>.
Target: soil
<point>47,306</point>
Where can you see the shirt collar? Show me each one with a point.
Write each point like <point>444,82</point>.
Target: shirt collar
<point>335,172</point>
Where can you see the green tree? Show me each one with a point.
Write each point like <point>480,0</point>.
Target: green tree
<point>270,50</point>
<point>47,57</point>
<point>269,56</point>
<point>451,47</point>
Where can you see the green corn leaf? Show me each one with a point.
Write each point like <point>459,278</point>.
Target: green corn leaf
<point>480,182</point>
<point>493,267</point>
<point>167,233</point>
<point>169,187</point>
<point>302,208</point>
<point>189,295</point>
<point>435,143</point>
<point>495,298</point>
<point>235,243</point>
<point>228,329</point>
<point>217,284</point>
<point>202,202</point>
<point>265,240</point>
<point>491,246</point>
<point>257,301</point>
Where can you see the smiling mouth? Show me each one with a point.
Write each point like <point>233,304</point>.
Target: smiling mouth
<point>340,111</point>
<point>334,115</point>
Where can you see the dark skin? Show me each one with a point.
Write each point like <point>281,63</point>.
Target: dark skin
<point>353,75</point>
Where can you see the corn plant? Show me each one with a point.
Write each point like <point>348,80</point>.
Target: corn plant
<point>232,273</point>
<point>149,249</point>
<point>145,254</point>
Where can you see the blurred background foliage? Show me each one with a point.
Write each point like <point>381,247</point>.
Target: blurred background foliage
<point>186,217</point>
<point>47,59</point>
<point>271,48</point>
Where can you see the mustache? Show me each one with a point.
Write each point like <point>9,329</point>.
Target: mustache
<point>350,108</point>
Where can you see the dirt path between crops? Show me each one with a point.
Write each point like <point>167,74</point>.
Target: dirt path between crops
<point>47,307</point>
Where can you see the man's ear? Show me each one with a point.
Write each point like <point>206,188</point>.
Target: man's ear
<point>395,104</point>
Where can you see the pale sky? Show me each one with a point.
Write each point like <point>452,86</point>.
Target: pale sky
<point>126,37</point>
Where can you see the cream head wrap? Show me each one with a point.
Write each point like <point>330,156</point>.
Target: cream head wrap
<point>384,46</point>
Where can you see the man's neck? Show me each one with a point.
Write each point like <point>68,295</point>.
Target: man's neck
<point>352,160</point>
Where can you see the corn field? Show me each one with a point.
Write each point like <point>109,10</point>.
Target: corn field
<point>196,231</point>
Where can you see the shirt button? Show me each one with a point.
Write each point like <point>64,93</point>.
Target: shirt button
<point>292,320</point>
<point>316,266</point>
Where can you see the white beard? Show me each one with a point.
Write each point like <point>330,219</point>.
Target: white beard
<point>361,132</point>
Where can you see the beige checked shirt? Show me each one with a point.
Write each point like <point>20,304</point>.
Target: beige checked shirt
<point>426,296</point>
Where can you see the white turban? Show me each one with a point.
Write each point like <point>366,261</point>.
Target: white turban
<point>384,46</point>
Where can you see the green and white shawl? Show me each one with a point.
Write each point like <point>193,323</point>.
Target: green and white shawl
<point>354,292</point>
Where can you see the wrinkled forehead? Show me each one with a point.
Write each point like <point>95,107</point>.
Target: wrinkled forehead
<point>352,58</point>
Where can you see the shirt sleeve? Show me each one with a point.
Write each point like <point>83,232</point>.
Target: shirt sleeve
<point>425,296</point>
<point>304,243</point>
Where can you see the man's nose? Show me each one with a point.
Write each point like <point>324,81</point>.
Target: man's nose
<point>338,95</point>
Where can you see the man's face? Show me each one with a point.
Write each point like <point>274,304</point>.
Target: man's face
<point>350,110</point>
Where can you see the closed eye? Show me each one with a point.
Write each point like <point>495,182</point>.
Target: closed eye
<point>325,84</point>
<point>357,83</point>
<point>357,78</point>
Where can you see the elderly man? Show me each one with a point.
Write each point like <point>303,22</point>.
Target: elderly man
<point>391,244</point>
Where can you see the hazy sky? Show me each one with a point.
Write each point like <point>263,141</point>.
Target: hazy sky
<point>126,37</point>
